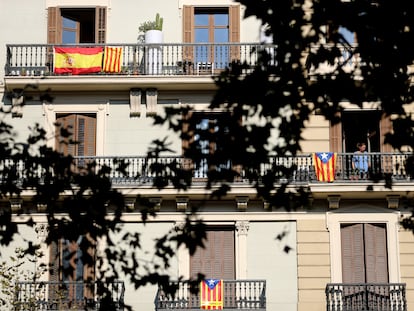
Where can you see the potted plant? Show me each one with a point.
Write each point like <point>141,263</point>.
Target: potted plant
<point>152,31</point>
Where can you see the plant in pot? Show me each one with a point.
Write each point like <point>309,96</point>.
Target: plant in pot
<point>152,31</point>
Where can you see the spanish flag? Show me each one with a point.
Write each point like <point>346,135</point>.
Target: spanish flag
<point>112,59</point>
<point>75,60</point>
<point>324,163</point>
<point>211,294</point>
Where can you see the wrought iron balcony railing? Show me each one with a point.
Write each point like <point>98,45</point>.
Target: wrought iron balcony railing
<point>237,295</point>
<point>66,296</point>
<point>168,59</point>
<point>142,170</point>
<point>366,297</point>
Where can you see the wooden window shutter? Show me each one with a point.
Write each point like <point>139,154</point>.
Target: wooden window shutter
<point>86,135</point>
<point>352,244</point>
<point>216,260</point>
<point>188,32</point>
<point>234,31</point>
<point>83,129</point>
<point>376,259</point>
<point>63,144</point>
<point>335,137</point>
<point>100,27</point>
<point>385,127</point>
<point>54,26</point>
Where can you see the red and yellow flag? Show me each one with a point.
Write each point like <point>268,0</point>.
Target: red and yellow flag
<point>112,59</point>
<point>76,60</point>
<point>211,294</point>
<point>324,163</point>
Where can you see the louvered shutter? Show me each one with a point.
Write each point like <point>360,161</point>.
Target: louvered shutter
<point>385,127</point>
<point>234,31</point>
<point>100,27</point>
<point>352,243</point>
<point>86,135</point>
<point>335,137</point>
<point>376,260</point>
<point>188,32</point>
<point>63,144</point>
<point>216,260</point>
<point>54,26</point>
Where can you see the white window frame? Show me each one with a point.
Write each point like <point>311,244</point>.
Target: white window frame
<point>101,111</point>
<point>391,220</point>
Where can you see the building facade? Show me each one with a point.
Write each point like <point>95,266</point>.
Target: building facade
<point>350,235</point>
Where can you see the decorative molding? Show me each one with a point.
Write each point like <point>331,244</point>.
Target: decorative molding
<point>151,99</point>
<point>41,207</point>
<point>242,227</point>
<point>182,203</point>
<point>157,202</point>
<point>16,204</point>
<point>17,105</point>
<point>266,205</point>
<point>242,202</point>
<point>333,201</point>
<point>41,230</point>
<point>393,201</point>
<point>135,102</point>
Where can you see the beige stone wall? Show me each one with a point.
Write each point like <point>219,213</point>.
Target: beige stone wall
<point>406,239</point>
<point>315,135</point>
<point>313,263</point>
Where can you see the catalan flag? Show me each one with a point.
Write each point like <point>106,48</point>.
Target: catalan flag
<point>77,60</point>
<point>112,59</point>
<point>211,294</point>
<point>324,163</point>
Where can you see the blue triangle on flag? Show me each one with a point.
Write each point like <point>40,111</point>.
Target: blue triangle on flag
<point>211,283</point>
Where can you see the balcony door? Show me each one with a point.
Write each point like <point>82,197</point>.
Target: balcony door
<point>211,25</point>
<point>364,253</point>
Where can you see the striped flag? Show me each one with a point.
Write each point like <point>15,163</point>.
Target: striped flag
<point>211,294</point>
<point>75,60</point>
<point>324,163</point>
<point>112,59</point>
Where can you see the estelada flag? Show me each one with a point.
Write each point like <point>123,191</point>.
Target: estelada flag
<point>211,294</point>
<point>324,163</point>
<point>75,60</point>
<point>112,59</point>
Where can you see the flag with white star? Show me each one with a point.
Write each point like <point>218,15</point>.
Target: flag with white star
<point>324,163</point>
<point>211,294</point>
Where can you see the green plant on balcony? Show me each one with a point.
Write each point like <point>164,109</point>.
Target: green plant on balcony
<point>152,25</point>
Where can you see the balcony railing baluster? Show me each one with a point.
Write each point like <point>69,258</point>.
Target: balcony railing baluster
<point>238,294</point>
<point>367,297</point>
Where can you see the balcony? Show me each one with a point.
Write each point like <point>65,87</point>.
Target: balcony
<point>169,59</point>
<point>141,170</point>
<point>237,295</point>
<point>66,296</point>
<point>366,297</point>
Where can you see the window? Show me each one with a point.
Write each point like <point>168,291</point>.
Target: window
<point>360,126</point>
<point>364,253</point>
<point>207,133</point>
<point>82,130</point>
<point>76,25</point>
<point>211,25</point>
<point>216,259</point>
<point>70,263</point>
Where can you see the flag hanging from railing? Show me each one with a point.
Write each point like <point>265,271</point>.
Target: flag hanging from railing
<point>112,59</point>
<point>211,294</point>
<point>76,60</point>
<point>324,163</point>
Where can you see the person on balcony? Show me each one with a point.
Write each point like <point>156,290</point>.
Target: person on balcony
<point>360,162</point>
